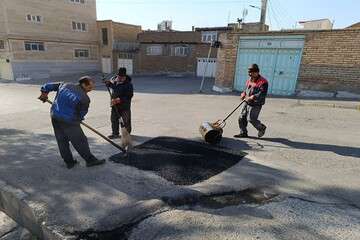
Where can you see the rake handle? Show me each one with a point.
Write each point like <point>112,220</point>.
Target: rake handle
<point>114,107</point>
<point>98,133</point>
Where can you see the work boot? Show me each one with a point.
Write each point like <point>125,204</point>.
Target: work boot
<point>241,135</point>
<point>262,131</point>
<point>71,164</point>
<point>95,162</point>
<point>114,136</point>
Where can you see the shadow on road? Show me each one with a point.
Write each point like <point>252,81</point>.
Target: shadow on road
<point>255,144</point>
<point>340,150</point>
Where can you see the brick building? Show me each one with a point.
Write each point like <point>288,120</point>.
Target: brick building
<point>118,45</point>
<point>170,52</point>
<point>184,52</point>
<point>326,60</point>
<point>42,39</point>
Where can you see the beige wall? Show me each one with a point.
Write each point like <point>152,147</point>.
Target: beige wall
<point>2,19</point>
<point>125,32</point>
<point>53,51</point>
<point>116,32</point>
<point>105,50</point>
<point>57,19</point>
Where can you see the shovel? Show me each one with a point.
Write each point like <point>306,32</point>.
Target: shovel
<point>98,133</point>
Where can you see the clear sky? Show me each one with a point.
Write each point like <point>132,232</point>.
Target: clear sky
<point>210,13</point>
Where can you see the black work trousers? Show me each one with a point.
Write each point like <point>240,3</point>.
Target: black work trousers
<point>67,133</point>
<point>125,114</point>
<point>250,114</point>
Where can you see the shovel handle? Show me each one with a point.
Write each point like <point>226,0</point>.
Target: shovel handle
<point>227,117</point>
<point>98,133</point>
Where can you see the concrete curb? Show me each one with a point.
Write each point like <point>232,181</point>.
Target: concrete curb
<point>15,204</point>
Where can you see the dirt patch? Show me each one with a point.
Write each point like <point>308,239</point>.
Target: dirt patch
<point>180,161</point>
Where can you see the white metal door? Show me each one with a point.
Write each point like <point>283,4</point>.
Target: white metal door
<point>210,68</point>
<point>126,63</point>
<point>6,70</point>
<point>106,65</point>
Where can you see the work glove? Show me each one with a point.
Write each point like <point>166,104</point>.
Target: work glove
<point>242,96</point>
<point>249,99</point>
<point>107,82</point>
<point>43,97</point>
<point>115,101</point>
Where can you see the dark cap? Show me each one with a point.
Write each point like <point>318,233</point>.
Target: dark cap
<point>122,71</point>
<point>254,68</point>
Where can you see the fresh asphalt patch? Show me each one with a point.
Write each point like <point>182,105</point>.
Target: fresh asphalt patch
<point>181,161</point>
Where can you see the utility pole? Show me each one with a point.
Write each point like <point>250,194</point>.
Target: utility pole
<point>263,11</point>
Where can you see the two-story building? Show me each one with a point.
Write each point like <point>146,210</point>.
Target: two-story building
<point>44,39</point>
<point>185,52</point>
<point>171,52</point>
<point>118,45</point>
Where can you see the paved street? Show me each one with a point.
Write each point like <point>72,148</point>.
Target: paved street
<point>310,155</point>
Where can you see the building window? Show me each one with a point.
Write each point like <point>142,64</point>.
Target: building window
<point>34,19</point>
<point>34,46</point>
<point>104,32</point>
<point>125,55</point>
<point>79,27</point>
<point>78,1</point>
<point>181,51</point>
<point>154,50</point>
<point>208,37</point>
<point>81,53</point>
<point>2,44</point>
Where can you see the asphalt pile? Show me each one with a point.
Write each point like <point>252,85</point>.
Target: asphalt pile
<point>181,161</point>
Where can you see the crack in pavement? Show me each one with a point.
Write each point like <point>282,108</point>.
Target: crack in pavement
<point>325,203</point>
<point>122,233</point>
<point>8,232</point>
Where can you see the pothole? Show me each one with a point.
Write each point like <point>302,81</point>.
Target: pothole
<point>248,196</point>
<point>180,161</point>
<point>221,200</point>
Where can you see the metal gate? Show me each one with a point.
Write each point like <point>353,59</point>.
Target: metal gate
<point>106,64</point>
<point>210,68</point>
<point>279,60</point>
<point>126,63</point>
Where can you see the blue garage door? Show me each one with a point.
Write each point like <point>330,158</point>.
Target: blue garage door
<point>278,58</point>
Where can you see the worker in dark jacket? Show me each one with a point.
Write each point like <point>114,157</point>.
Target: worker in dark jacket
<point>69,108</point>
<point>122,93</point>
<point>254,96</point>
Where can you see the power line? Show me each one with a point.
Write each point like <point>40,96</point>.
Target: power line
<point>284,12</point>
<point>268,14</point>
<point>274,15</point>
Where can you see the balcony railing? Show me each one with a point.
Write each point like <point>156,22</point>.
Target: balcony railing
<point>126,46</point>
